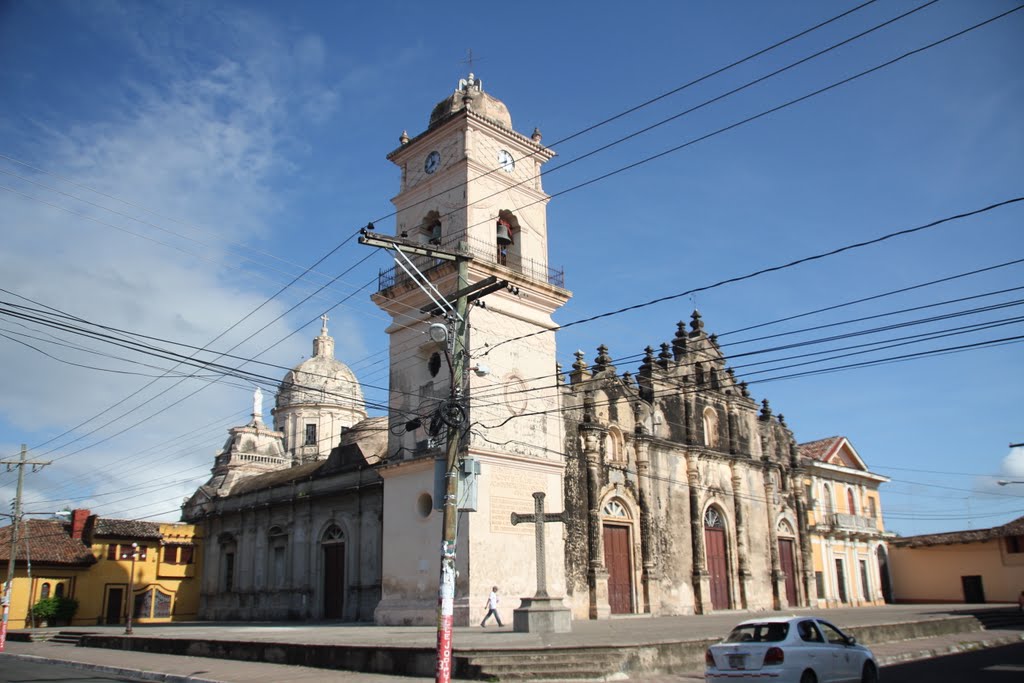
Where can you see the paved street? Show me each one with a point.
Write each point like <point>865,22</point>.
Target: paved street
<point>997,665</point>
<point>15,671</point>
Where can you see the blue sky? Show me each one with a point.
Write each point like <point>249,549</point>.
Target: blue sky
<point>225,147</point>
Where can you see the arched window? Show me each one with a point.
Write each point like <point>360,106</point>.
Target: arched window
<point>827,495</point>
<point>872,508</point>
<point>277,551</point>
<point>850,501</point>
<point>58,590</point>
<point>614,447</point>
<point>698,373</point>
<point>785,528</point>
<point>710,428</point>
<point>430,228</point>
<point>614,508</point>
<point>44,592</point>
<point>713,519</point>
<point>507,234</point>
<point>334,534</point>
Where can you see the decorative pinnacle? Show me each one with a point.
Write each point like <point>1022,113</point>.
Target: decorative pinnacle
<point>744,390</point>
<point>536,137</point>
<point>404,137</point>
<point>664,357</point>
<point>766,410</point>
<point>696,324</point>
<point>580,364</point>
<point>603,360</point>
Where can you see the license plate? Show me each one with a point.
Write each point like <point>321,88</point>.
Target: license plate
<point>737,661</point>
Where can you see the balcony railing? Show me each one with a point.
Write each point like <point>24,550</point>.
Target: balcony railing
<point>480,250</point>
<point>846,522</point>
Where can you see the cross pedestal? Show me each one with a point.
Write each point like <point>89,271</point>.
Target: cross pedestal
<point>541,613</point>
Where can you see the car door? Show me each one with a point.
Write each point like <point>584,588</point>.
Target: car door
<point>846,660</point>
<point>816,652</point>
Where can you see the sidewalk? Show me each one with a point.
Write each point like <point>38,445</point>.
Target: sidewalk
<point>623,633</point>
<point>174,669</point>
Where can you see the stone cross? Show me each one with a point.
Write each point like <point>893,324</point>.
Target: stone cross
<point>323,328</point>
<point>539,518</point>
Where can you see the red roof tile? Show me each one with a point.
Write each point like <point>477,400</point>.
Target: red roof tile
<point>45,541</point>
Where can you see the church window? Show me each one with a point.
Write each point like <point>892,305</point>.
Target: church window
<point>785,528</point>
<point>310,434</point>
<point>698,373</point>
<point>614,448</point>
<point>710,428</point>
<point>44,592</point>
<point>713,519</point>
<point>278,541</point>
<point>424,504</point>
<point>614,508</point>
<point>334,534</point>
<point>58,590</point>
<point>229,572</point>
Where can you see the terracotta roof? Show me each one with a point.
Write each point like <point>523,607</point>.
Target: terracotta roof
<point>817,450</point>
<point>1014,528</point>
<point>48,542</point>
<point>125,528</point>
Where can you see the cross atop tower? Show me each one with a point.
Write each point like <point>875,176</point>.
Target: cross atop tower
<point>323,328</point>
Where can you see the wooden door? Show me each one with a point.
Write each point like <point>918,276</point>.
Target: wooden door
<point>620,578</point>
<point>786,559</point>
<point>115,602</point>
<point>841,581</point>
<point>718,567</point>
<point>334,580</point>
<point>974,590</point>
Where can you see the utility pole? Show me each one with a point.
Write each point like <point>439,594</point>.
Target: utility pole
<point>455,410</point>
<point>15,522</point>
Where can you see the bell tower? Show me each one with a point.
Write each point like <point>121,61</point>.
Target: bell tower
<point>471,184</point>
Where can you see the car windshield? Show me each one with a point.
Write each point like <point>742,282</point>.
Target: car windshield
<point>758,633</point>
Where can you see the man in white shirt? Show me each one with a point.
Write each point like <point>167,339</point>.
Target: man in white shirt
<point>492,607</point>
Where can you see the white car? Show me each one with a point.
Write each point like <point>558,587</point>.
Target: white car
<point>789,650</point>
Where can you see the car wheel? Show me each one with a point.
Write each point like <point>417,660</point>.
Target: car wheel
<point>870,673</point>
<point>808,677</point>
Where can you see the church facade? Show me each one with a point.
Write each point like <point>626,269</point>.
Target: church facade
<point>678,492</point>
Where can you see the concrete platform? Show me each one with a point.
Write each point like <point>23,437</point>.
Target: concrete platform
<point>638,647</point>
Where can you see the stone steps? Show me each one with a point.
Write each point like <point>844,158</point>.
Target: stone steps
<point>69,637</point>
<point>561,664</point>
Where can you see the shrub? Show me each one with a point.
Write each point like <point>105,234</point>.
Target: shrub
<point>55,608</point>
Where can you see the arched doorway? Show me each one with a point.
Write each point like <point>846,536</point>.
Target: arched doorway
<point>333,544</point>
<point>883,573</point>
<point>787,560</point>
<point>717,558</point>
<point>615,531</point>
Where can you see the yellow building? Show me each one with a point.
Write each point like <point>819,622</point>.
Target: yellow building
<point>845,528</point>
<point>90,559</point>
<point>974,566</point>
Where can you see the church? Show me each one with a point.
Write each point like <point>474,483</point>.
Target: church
<point>671,489</point>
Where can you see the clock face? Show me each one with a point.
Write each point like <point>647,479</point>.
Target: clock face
<point>505,160</point>
<point>432,161</point>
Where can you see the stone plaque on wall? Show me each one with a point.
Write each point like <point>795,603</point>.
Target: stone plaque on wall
<point>511,490</point>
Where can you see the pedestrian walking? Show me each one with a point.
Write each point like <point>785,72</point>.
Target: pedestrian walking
<point>492,607</point>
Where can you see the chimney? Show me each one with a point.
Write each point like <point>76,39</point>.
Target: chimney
<point>78,518</point>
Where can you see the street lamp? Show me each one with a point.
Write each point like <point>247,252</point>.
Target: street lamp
<point>130,606</point>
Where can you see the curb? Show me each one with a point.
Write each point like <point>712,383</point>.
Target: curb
<point>966,646</point>
<point>115,670</point>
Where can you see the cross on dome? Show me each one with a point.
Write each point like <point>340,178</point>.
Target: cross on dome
<point>323,328</point>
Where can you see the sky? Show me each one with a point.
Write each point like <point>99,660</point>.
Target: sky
<point>174,168</point>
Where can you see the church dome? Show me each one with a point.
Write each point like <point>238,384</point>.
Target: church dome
<point>471,91</point>
<point>321,380</point>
